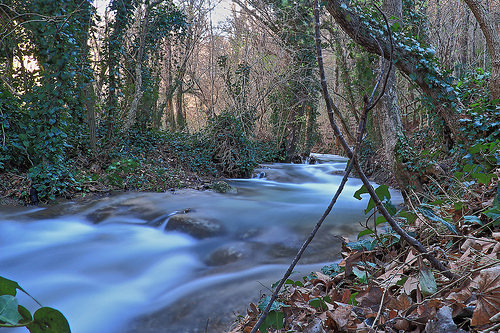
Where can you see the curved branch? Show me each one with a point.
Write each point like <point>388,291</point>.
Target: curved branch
<point>438,89</point>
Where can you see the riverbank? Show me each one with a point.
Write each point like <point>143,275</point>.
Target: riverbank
<point>383,284</point>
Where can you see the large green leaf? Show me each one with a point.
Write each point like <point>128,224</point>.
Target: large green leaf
<point>274,319</point>
<point>48,320</point>
<point>8,310</point>
<point>427,282</point>
<point>8,287</point>
<point>383,192</point>
<point>358,193</point>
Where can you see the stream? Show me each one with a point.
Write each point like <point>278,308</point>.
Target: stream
<point>181,261</point>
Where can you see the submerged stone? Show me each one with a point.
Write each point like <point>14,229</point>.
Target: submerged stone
<point>223,256</point>
<point>198,227</point>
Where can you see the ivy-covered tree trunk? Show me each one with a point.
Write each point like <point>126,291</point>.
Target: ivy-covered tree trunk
<point>410,57</point>
<point>487,24</point>
<point>123,10</point>
<point>138,91</point>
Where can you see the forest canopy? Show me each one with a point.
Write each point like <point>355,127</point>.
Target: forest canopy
<point>118,96</point>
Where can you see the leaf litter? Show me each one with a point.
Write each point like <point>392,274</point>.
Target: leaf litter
<point>394,289</point>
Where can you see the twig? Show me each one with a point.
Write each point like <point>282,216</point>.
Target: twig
<point>381,208</point>
<point>369,104</point>
<point>302,249</point>
<point>381,306</point>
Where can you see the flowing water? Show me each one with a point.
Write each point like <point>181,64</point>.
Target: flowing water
<point>116,265</point>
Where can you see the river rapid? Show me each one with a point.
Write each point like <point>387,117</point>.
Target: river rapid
<point>116,264</point>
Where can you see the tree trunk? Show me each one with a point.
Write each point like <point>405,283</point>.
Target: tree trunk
<point>132,111</point>
<point>441,93</point>
<point>492,37</point>
<point>180,118</point>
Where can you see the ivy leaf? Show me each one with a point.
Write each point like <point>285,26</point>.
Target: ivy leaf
<point>427,282</point>
<point>274,319</point>
<point>8,310</point>
<point>383,192</point>
<point>363,244</point>
<point>360,274</point>
<point>276,305</point>
<point>370,206</point>
<point>380,219</point>
<point>433,217</point>
<point>473,219</point>
<point>365,232</point>
<point>358,193</point>
<point>8,287</point>
<point>48,320</point>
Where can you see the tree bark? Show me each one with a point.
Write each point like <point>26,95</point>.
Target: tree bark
<point>492,37</point>
<point>386,115</point>
<point>132,111</point>
<point>439,91</point>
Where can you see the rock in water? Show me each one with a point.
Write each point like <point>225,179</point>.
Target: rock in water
<point>197,227</point>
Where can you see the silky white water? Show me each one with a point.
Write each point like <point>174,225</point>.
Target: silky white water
<point>110,266</point>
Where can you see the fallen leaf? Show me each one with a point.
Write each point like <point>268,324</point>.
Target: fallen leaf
<point>488,296</point>
<point>370,297</point>
<point>410,285</point>
<point>341,316</point>
<point>427,282</point>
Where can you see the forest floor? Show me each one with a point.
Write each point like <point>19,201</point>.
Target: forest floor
<point>381,284</point>
<point>15,188</point>
<point>384,285</point>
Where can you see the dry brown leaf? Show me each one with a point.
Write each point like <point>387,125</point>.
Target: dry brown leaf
<point>481,244</point>
<point>410,285</point>
<point>346,296</point>
<point>370,297</point>
<point>488,296</point>
<point>341,316</point>
<point>402,302</point>
<point>391,277</point>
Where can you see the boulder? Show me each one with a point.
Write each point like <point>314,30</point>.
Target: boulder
<point>197,227</point>
<point>223,256</point>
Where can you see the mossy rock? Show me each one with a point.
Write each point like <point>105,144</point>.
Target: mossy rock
<point>222,187</point>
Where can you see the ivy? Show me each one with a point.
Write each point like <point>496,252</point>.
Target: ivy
<point>45,319</point>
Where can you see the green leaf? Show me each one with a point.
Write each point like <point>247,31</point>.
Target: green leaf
<point>48,320</point>
<point>494,214</point>
<point>25,314</point>
<point>318,303</point>
<point>473,219</point>
<point>380,219</point>
<point>358,193</point>
<point>390,208</point>
<point>370,206</point>
<point>360,274</point>
<point>352,299</point>
<point>274,319</point>
<point>365,232</point>
<point>363,244</point>
<point>409,216</point>
<point>427,282</point>
<point>9,310</point>
<point>383,192</point>
<point>8,287</point>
